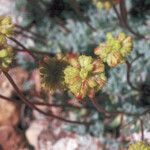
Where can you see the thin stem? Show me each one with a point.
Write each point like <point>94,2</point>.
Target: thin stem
<point>145,112</point>
<point>139,56</point>
<point>61,23</point>
<point>6,98</point>
<point>24,49</point>
<point>22,46</point>
<point>122,17</point>
<point>128,76</point>
<point>142,130</point>
<point>34,52</point>
<point>96,105</point>
<point>99,108</point>
<point>27,30</point>
<point>123,10</point>
<point>30,37</point>
<point>32,106</point>
<point>74,4</point>
<point>116,12</point>
<point>43,104</point>
<point>109,113</point>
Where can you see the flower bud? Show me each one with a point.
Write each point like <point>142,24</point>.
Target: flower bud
<point>72,58</point>
<point>92,82</point>
<point>107,5</point>
<point>109,36</point>
<point>83,73</point>
<point>75,87</point>
<point>3,53</point>
<point>114,59</point>
<point>6,25</point>
<point>97,51</point>
<point>101,80</point>
<point>127,40</point>
<point>116,45</point>
<point>3,41</point>
<point>86,62</point>
<point>6,57</point>
<point>121,36</point>
<point>98,66</point>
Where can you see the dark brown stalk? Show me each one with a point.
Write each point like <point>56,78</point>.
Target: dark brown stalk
<point>31,52</point>
<point>32,106</point>
<point>122,17</point>
<point>110,113</point>
<point>142,130</point>
<point>128,76</point>
<point>74,4</point>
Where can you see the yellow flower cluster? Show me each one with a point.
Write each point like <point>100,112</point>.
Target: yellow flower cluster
<point>6,55</point>
<point>85,76</point>
<point>104,4</point>
<point>6,25</point>
<point>115,49</point>
<point>139,146</point>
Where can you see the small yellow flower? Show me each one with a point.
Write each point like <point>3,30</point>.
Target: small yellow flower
<point>3,41</point>
<point>139,146</point>
<point>115,49</point>
<point>104,4</point>
<point>6,57</point>
<point>121,36</point>
<point>6,25</point>
<point>107,5</point>
<point>6,54</point>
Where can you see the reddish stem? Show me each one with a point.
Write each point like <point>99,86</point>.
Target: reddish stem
<point>31,105</point>
<point>31,52</point>
<point>114,113</point>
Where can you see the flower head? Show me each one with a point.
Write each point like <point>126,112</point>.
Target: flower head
<point>115,49</point>
<point>6,25</point>
<point>52,75</point>
<point>105,4</point>
<point>6,56</point>
<point>139,146</point>
<point>86,77</point>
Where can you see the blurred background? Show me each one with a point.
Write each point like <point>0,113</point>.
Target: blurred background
<point>51,26</point>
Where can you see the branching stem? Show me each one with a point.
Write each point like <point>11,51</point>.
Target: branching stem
<point>32,106</point>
